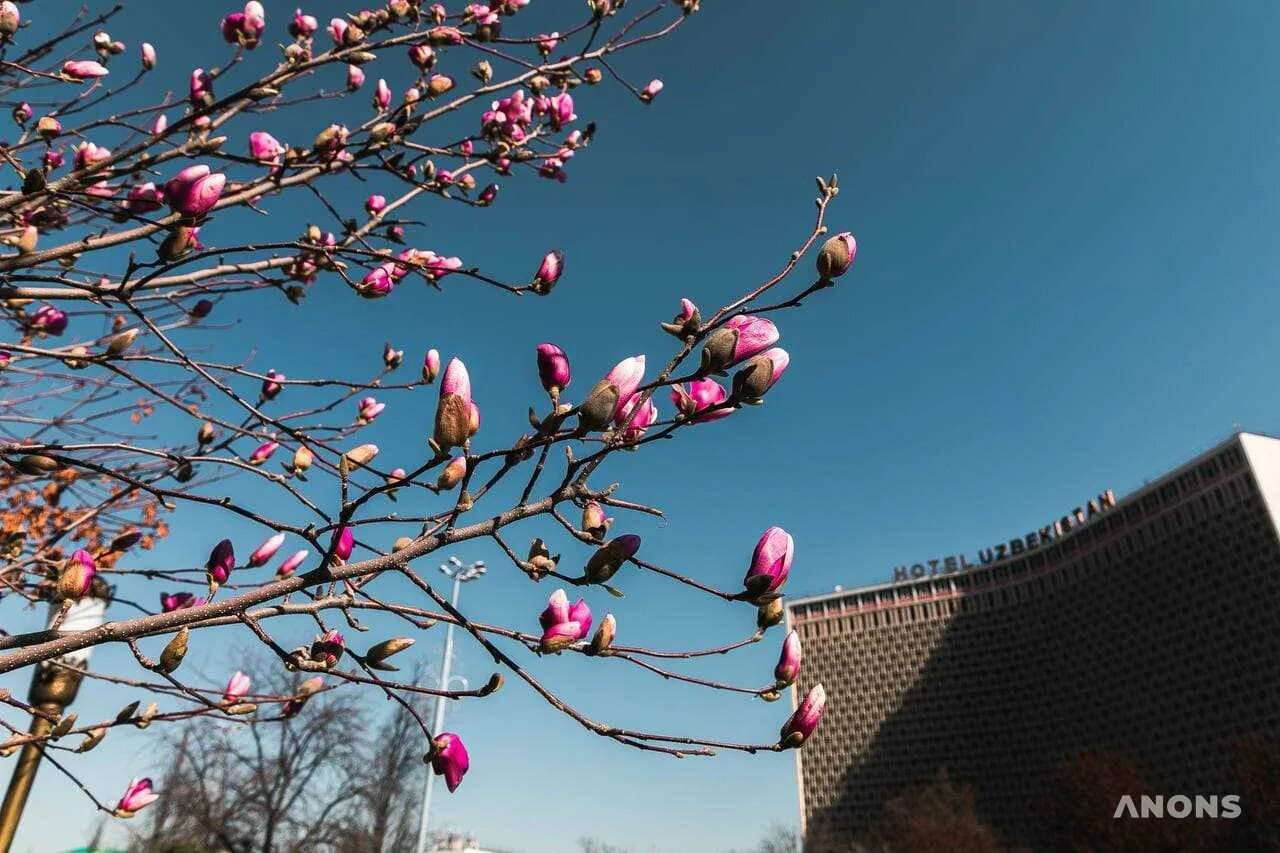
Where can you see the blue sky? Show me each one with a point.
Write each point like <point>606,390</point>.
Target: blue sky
<point>1065,282</point>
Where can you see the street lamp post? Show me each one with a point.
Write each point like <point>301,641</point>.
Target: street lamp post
<point>54,685</point>
<point>460,574</point>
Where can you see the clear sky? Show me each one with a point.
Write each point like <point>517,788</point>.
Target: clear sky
<point>1066,281</point>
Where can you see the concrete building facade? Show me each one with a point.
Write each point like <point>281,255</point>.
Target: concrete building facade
<point>1149,627</point>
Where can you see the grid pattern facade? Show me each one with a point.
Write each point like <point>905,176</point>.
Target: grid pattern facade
<point>1153,630</point>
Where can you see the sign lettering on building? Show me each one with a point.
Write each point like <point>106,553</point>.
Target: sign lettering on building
<point>954,563</point>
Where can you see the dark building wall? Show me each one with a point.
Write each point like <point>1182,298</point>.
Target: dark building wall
<point>1153,631</point>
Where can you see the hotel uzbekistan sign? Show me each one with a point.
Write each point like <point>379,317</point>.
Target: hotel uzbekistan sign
<point>1031,541</point>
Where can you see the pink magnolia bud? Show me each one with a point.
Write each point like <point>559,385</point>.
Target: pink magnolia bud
<point>635,417</point>
<point>290,565</point>
<point>245,28</point>
<point>237,687</point>
<point>431,366</point>
<point>759,374</point>
<point>553,369</point>
<point>200,88</point>
<point>77,575</point>
<point>488,195</point>
<point>607,559</point>
<point>22,113</point>
<point>271,386</point>
<point>302,26</point>
<point>453,413</point>
<point>651,91</point>
<point>144,198</point>
<point>263,452</point>
<point>222,559</point>
<point>170,602</point>
<point>453,473</point>
<point>377,282</point>
<point>369,409</point>
<point>264,552</point>
<point>160,125</point>
<point>136,797</point>
<point>343,543</point>
<point>88,154</point>
<point>327,649</point>
<point>265,148</point>
<point>438,13</point>
<point>742,337</point>
<point>450,760</point>
<point>84,69</point>
<point>594,520</point>
<point>563,624</point>
<point>771,562</point>
<point>703,395</point>
<point>148,56</point>
<point>375,204</point>
<point>547,43</point>
<point>49,320</point>
<point>610,395</point>
<point>10,19</point>
<point>801,725</point>
<point>392,358</point>
<point>549,272</point>
<point>355,76</point>
<point>381,95</point>
<point>422,56</point>
<point>788,668</point>
<point>836,255</point>
<point>194,191</point>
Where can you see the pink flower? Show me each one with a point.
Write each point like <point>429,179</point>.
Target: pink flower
<point>788,668</point>
<point>77,575</point>
<point>771,562</point>
<point>338,31</point>
<point>10,19</point>
<point>381,95</point>
<point>302,26</point>
<point>651,91</point>
<point>547,43</point>
<point>553,369</point>
<point>369,409</point>
<point>245,28</point>
<point>136,797</point>
<point>626,376</point>
<point>264,552</point>
<point>49,320</point>
<point>194,191</point>
<point>327,649</point>
<point>740,338</point>
<point>170,602</point>
<point>144,198</point>
<point>431,366</point>
<point>265,148</point>
<point>89,154</point>
<point>355,77</point>
<point>237,687</point>
<point>200,87</point>
<point>84,69</point>
<point>290,565</point>
<point>160,125</point>
<point>377,282</point>
<point>222,559</point>
<point>148,55</point>
<point>836,255</point>
<point>450,759</point>
<point>562,624</point>
<point>634,419</point>
<point>801,725</point>
<point>271,386</point>
<point>487,195</point>
<point>760,374</point>
<point>343,543</point>
<point>454,412</point>
<point>606,401</point>
<point>549,271</point>
<point>703,394</point>
<point>558,108</point>
<point>263,452</point>
<point>375,204</point>
<point>422,56</point>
